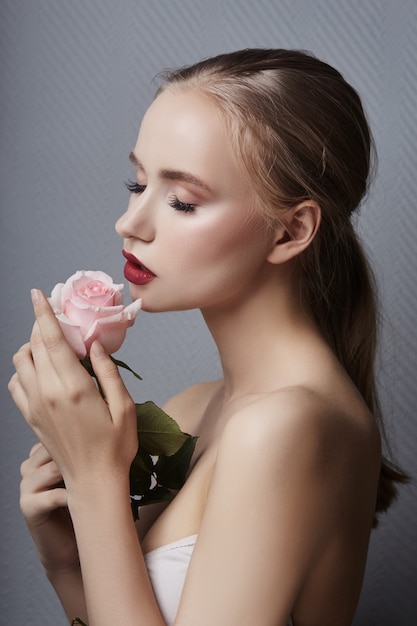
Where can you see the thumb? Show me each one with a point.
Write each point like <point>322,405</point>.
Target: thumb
<point>111,383</point>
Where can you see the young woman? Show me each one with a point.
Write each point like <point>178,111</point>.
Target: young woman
<point>248,169</point>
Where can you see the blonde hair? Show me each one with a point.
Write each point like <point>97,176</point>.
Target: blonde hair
<point>301,133</point>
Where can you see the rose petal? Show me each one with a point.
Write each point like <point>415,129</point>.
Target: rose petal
<point>97,292</point>
<point>111,331</point>
<point>82,278</point>
<point>55,298</point>
<point>72,334</point>
<point>132,309</point>
<point>85,316</point>
<point>107,298</point>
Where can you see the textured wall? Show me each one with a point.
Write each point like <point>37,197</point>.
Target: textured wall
<point>75,79</point>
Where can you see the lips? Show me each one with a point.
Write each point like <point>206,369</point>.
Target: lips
<point>135,272</point>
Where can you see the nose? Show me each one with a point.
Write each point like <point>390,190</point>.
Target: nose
<point>138,220</point>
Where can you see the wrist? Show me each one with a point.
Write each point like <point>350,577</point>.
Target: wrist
<point>98,489</point>
<point>99,500</point>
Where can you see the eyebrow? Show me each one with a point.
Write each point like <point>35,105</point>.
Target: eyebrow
<point>186,177</point>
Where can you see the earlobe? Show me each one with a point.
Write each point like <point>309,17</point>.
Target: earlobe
<point>296,232</point>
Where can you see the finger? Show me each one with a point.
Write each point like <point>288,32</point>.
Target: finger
<point>23,363</point>
<point>38,477</point>
<point>38,506</point>
<point>23,385</point>
<point>18,395</point>
<point>38,456</point>
<point>47,341</point>
<point>40,354</point>
<point>24,353</point>
<point>35,448</point>
<point>54,498</point>
<point>116,395</point>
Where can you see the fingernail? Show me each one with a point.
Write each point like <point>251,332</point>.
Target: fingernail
<point>97,349</point>
<point>35,295</point>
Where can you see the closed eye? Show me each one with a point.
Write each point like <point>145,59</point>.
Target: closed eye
<point>176,204</point>
<point>134,187</point>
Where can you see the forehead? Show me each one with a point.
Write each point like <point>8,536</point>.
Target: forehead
<point>185,129</point>
<point>185,111</point>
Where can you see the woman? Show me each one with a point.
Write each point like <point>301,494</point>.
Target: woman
<point>249,167</point>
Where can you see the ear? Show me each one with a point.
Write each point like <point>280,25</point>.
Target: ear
<point>296,231</point>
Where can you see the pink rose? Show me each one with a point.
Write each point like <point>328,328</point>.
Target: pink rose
<point>89,306</point>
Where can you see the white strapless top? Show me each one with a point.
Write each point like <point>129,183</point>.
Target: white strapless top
<point>167,567</point>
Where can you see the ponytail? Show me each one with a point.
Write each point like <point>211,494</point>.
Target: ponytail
<point>343,296</point>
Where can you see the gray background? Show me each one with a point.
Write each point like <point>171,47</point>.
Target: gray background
<point>76,77</point>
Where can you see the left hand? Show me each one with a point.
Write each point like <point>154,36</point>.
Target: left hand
<point>87,436</point>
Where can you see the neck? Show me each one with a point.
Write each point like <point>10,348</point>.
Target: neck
<point>259,336</point>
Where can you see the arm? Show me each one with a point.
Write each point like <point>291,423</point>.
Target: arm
<point>43,502</point>
<point>92,442</point>
<point>263,526</point>
<point>288,516</point>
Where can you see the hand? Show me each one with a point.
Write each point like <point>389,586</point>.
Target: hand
<point>88,437</point>
<point>43,501</point>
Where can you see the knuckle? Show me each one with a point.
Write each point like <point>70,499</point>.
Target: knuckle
<point>24,468</point>
<point>127,409</point>
<point>55,472</point>
<point>26,494</point>
<point>12,384</point>
<point>74,394</point>
<point>19,358</point>
<point>54,498</point>
<point>35,448</point>
<point>130,408</point>
<point>52,341</point>
<point>35,338</point>
<point>110,371</point>
<point>23,503</point>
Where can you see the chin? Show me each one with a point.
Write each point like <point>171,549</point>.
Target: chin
<point>151,303</point>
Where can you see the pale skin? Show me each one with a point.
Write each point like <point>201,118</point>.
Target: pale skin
<point>283,482</point>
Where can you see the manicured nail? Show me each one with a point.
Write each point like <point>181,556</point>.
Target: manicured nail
<point>35,294</point>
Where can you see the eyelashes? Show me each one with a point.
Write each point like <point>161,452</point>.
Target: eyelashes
<point>173,201</point>
<point>134,187</point>
<point>186,207</point>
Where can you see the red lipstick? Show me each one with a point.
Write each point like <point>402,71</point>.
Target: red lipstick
<point>135,272</point>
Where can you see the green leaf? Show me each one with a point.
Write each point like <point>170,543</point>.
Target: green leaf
<point>171,471</point>
<point>125,366</point>
<point>140,475</point>
<point>143,461</point>
<point>158,433</point>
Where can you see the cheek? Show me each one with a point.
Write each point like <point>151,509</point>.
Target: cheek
<point>222,260</point>
<point>242,245</point>
<point>223,239</point>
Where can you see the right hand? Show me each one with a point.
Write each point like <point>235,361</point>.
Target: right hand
<point>43,501</point>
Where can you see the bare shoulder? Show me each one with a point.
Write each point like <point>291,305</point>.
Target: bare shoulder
<point>187,406</point>
<point>299,424</point>
<point>297,470</point>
